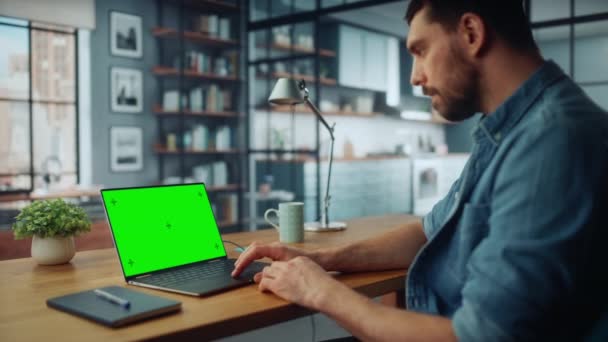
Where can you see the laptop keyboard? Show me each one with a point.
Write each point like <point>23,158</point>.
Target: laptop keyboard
<point>193,273</point>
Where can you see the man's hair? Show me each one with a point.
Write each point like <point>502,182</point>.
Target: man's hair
<point>506,18</point>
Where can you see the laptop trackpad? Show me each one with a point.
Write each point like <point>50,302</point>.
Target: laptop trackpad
<point>222,282</point>
<point>251,270</point>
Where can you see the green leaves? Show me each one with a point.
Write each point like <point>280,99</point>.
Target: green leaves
<point>53,218</point>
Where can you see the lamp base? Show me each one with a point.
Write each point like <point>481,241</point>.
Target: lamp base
<point>319,227</point>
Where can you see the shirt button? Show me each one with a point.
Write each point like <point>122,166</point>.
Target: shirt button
<point>498,136</point>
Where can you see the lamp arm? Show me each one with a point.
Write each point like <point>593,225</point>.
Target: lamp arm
<point>319,116</point>
<point>325,214</point>
<point>330,129</point>
<point>302,87</point>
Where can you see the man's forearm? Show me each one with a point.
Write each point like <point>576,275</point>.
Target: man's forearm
<point>370,321</point>
<point>392,250</point>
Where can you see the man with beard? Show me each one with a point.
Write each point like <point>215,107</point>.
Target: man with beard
<point>515,250</point>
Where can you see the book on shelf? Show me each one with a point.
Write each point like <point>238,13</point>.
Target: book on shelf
<point>210,98</point>
<point>213,174</point>
<point>213,102</point>
<point>228,207</point>
<point>224,28</point>
<point>220,173</point>
<point>223,138</point>
<point>204,63</point>
<point>233,63</point>
<point>198,61</point>
<point>201,62</point>
<point>197,99</point>
<point>208,24</point>
<point>200,138</point>
<point>227,100</point>
<point>219,100</point>
<point>202,173</point>
<point>171,100</point>
<point>221,66</point>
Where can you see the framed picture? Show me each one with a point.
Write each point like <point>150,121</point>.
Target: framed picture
<point>125,35</point>
<point>126,149</point>
<point>127,90</point>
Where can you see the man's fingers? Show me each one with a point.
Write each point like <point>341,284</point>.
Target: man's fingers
<point>258,277</point>
<point>273,270</point>
<point>265,284</point>
<point>252,253</point>
<point>245,253</point>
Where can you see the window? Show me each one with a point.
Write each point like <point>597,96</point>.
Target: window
<point>38,111</point>
<point>574,33</point>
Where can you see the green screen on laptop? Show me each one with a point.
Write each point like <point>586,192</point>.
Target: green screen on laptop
<point>160,227</point>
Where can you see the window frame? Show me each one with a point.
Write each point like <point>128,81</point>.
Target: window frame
<point>570,22</point>
<point>31,102</point>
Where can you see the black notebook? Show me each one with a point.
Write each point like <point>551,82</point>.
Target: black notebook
<point>125,305</point>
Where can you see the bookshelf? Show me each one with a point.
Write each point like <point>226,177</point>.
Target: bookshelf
<point>199,104</point>
<point>159,111</point>
<point>175,72</point>
<point>197,37</point>
<point>299,49</point>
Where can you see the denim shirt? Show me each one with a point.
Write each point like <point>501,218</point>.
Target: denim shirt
<point>516,249</point>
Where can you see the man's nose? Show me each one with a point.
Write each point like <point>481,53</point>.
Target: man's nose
<point>417,76</point>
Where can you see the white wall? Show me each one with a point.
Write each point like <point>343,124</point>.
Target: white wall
<point>367,134</point>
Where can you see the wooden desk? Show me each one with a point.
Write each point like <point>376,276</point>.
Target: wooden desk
<point>25,286</point>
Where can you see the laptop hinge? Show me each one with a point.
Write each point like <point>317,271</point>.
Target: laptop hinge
<point>143,276</point>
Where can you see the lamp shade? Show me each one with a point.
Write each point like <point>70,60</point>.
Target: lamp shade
<point>286,92</point>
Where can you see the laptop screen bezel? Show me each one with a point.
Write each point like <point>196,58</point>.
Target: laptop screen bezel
<point>127,278</point>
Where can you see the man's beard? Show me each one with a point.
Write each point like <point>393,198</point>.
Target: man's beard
<point>461,94</point>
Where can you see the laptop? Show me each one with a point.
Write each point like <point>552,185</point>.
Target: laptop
<point>167,238</point>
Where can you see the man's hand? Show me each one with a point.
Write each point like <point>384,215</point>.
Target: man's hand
<point>299,280</point>
<point>274,251</point>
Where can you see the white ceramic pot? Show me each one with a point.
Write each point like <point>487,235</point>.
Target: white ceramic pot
<point>53,251</point>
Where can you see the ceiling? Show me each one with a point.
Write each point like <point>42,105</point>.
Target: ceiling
<point>389,18</point>
<point>385,18</point>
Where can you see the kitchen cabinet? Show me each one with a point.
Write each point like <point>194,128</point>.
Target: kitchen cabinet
<point>350,61</point>
<point>375,61</point>
<point>362,58</point>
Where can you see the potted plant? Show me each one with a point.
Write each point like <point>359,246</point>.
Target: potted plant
<point>52,224</point>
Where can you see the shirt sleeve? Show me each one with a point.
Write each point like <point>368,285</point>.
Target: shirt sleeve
<point>542,210</point>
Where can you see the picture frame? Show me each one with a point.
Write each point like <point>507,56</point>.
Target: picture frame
<point>126,38</point>
<point>126,148</point>
<point>126,91</point>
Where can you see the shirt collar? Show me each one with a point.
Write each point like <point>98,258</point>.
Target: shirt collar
<point>496,125</point>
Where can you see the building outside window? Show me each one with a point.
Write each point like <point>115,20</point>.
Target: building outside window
<point>38,106</point>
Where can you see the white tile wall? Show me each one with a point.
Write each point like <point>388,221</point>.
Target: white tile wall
<point>361,188</point>
<point>367,134</point>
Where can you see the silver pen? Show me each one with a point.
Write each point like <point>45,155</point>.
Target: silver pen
<point>112,298</point>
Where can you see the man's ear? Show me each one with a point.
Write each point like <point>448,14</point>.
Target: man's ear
<point>472,33</point>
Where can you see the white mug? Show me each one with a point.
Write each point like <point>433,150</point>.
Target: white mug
<point>291,221</point>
